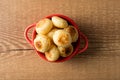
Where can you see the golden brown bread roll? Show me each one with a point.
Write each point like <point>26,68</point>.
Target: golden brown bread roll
<point>50,34</point>
<point>62,38</point>
<point>59,22</point>
<point>44,26</point>
<point>73,32</point>
<point>64,52</point>
<point>42,43</point>
<point>53,54</point>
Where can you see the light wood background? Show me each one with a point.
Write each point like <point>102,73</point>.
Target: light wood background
<point>98,19</point>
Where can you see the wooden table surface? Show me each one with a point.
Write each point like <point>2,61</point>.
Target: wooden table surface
<point>98,19</point>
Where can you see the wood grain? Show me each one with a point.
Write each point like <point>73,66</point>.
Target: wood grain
<point>98,19</point>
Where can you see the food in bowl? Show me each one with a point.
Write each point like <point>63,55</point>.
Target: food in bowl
<point>55,37</point>
<point>42,43</point>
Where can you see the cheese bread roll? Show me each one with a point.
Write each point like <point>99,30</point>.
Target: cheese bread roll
<point>59,22</point>
<point>62,38</point>
<point>44,26</point>
<point>42,43</point>
<point>50,34</point>
<point>53,54</point>
<point>64,52</point>
<point>73,32</point>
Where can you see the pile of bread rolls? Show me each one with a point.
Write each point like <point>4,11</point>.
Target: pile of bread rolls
<point>55,37</point>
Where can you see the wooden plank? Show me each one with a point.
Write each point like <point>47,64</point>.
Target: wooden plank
<point>98,19</point>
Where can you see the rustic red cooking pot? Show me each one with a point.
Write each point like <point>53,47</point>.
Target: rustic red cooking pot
<point>77,49</point>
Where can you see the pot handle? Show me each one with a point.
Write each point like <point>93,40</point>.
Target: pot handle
<point>86,43</point>
<point>26,33</point>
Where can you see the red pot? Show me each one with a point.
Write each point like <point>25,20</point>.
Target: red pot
<point>77,49</point>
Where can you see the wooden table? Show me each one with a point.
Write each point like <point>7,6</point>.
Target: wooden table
<point>98,19</point>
